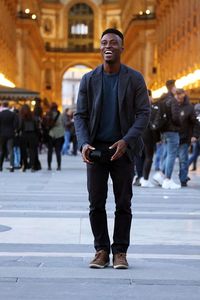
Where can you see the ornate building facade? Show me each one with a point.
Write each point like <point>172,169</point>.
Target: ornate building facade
<point>40,40</point>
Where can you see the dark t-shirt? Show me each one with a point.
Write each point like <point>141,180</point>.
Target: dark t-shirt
<point>109,125</point>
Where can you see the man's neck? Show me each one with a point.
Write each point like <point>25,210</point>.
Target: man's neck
<point>111,68</point>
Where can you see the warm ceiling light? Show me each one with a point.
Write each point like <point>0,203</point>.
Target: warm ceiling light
<point>4,81</point>
<point>27,10</point>
<point>148,12</point>
<point>34,17</point>
<point>157,93</point>
<point>182,82</point>
<point>33,102</point>
<point>140,13</point>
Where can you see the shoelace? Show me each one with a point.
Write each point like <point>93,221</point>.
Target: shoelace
<point>121,257</point>
<point>98,255</point>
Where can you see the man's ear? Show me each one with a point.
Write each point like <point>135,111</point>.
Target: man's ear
<point>122,49</point>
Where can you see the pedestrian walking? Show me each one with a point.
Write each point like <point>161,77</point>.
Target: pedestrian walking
<point>112,111</point>
<point>29,137</point>
<point>169,117</point>
<point>8,127</point>
<point>187,119</point>
<point>54,134</point>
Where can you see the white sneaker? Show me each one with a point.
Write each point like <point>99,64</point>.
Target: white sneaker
<point>110,181</point>
<point>158,177</point>
<point>170,184</point>
<point>146,183</point>
<point>134,179</point>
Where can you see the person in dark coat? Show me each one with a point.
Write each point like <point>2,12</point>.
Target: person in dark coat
<point>8,126</point>
<point>195,139</point>
<point>170,137</point>
<point>29,132</point>
<point>187,119</point>
<point>112,111</point>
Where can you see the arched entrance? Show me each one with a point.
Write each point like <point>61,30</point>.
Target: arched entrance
<point>70,85</point>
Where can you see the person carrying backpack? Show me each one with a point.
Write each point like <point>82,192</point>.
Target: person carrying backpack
<point>170,110</point>
<point>54,134</point>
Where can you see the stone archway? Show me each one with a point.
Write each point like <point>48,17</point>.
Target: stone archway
<point>70,84</point>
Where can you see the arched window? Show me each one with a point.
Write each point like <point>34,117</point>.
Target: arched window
<point>81,27</point>
<point>70,84</point>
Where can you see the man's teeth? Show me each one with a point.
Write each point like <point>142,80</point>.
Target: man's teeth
<point>108,52</point>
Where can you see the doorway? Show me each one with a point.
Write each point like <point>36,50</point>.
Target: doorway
<point>70,85</point>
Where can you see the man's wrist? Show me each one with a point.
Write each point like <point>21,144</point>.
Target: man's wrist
<point>83,145</point>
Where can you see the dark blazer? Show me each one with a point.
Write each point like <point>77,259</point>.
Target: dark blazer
<point>8,123</point>
<point>134,107</point>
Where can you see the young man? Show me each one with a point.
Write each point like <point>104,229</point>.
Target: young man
<point>188,121</point>
<point>170,137</point>
<point>112,111</point>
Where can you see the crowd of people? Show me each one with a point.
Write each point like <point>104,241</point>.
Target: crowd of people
<point>24,133</point>
<point>173,131</point>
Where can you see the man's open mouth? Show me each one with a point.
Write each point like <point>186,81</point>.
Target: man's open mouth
<point>108,52</point>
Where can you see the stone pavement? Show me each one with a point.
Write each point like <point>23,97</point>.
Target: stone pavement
<point>46,242</point>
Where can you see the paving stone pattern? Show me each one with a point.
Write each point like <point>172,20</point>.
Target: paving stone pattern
<point>46,241</point>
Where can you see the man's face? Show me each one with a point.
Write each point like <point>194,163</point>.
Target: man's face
<point>111,48</point>
<point>171,88</point>
<point>180,97</point>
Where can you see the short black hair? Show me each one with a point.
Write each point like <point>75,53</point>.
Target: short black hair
<point>5,103</point>
<point>170,82</point>
<point>114,31</point>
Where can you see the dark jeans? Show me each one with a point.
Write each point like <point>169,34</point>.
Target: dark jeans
<point>183,162</point>
<point>138,165</point>
<point>121,172</point>
<point>6,143</point>
<point>29,144</point>
<point>149,147</point>
<point>195,153</point>
<point>171,144</point>
<point>57,144</point>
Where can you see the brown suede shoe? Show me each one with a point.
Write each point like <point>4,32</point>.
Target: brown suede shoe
<point>119,261</point>
<point>101,260</point>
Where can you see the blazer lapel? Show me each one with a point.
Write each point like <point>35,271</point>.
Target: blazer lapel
<point>122,85</point>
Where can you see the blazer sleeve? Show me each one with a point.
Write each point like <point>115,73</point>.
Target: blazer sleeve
<point>142,113</point>
<point>81,116</point>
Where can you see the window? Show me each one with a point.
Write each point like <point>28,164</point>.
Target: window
<point>81,27</point>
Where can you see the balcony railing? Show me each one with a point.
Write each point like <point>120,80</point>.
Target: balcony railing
<point>71,49</point>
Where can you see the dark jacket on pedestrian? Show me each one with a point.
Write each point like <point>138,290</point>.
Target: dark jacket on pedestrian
<point>8,123</point>
<point>196,130</point>
<point>172,110</point>
<point>187,119</point>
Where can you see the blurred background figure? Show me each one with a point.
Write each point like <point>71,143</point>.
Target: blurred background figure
<point>150,138</point>
<point>29,136</point>
<point>8,127</point>
<point>55,131</point>
<point>168,121</point>
<point>67,126</point>
<point>158,124</point>
<point>73,138</point>
<point>196,139</point>
<point>187,119</point>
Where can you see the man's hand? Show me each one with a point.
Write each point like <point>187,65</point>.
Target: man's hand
<point>85,153</point>
<point>120,149</point>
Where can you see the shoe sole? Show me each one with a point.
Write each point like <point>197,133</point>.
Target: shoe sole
<point>96,266</point>
<point>121,267</point>
<point>157,182</point>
